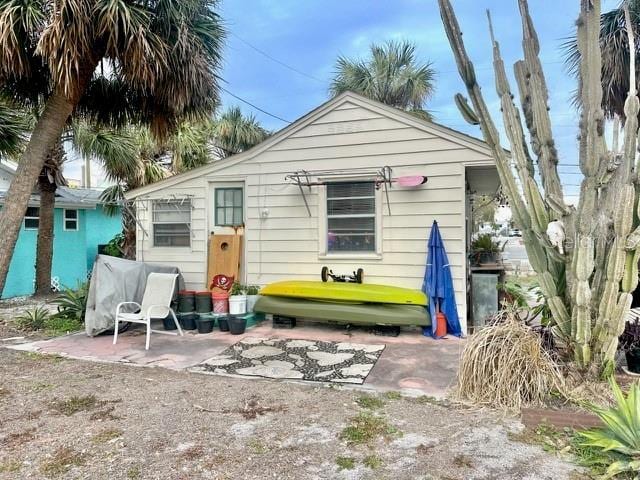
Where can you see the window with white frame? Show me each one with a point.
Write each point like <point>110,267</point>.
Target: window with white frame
<point>351,217</point>
<point>171,223</point>
<point>71,220</point>
<point>228,207</point>
<point>32,218</point>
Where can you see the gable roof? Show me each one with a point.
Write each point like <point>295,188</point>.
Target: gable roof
<point>7,168</point>
<point>347,97</point>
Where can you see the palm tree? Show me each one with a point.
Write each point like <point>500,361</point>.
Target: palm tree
<point>163,56</point>
<point>234,132</point>
<point>49,180</point>
<point>132,159</point>
<point>390,75</point>
<point>614,45</point>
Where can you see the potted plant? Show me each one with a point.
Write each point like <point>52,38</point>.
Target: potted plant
<point>252,292</point>
<point>237,324</point>
<point>484,250</point>
<point>630,345</point>
<point>237,299</point>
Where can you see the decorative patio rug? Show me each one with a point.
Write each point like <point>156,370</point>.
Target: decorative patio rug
<point>295,359</point>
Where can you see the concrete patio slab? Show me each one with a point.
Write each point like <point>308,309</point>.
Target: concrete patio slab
<point>411,363</point>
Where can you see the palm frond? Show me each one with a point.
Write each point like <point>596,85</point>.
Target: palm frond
<point>614,45</point>
<point>116,149</point>
<point>234,132</point>
<point>20,22</point>
<point>111,198</point>
<point>390,75</point>
<point>14,128</point>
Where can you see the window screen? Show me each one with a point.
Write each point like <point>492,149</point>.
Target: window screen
<point>228,205</point>
<point>351,217</point>
<point>171,223</point>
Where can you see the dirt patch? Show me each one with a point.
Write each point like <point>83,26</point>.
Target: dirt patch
<point>242,429</point>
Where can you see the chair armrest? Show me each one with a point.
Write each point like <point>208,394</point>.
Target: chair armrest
<point>126,303</point>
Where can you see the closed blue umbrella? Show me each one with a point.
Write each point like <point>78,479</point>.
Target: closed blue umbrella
<point>438,285</point>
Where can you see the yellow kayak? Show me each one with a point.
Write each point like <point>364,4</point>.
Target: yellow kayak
<point>345,292</point>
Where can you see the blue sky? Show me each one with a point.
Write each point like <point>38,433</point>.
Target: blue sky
<point>309,35</point>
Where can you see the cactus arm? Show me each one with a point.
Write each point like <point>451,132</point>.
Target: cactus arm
<point>539,98</point>
<point>522,216</point>
<point>465,109</point>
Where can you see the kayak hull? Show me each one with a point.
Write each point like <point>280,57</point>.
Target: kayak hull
<point>345,292</point>
<point>352,313</point>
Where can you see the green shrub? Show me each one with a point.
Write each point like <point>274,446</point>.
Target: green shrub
<point>114,247</point>
<point>33,320</point>
<point>237,289</point>
<point>620,437</point>
<point>252,289</point>
<point>72,304</point>
<point>61,325</point>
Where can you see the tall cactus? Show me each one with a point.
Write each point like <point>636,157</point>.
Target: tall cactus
<point>588,284</point>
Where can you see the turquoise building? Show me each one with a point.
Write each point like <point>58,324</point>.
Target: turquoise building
<point>80,226</point>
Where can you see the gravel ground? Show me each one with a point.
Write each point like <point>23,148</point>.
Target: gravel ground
<point>62,418</point>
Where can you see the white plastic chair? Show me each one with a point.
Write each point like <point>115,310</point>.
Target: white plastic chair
<point>156,302</point>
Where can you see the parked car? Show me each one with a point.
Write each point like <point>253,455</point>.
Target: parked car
<point>515,233</point>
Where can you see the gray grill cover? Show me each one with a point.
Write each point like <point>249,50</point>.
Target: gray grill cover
<point>115,280</point>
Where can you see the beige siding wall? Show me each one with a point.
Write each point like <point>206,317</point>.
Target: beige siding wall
<point>287,242</point>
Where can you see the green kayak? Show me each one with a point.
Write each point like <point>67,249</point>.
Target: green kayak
<point>354,313</point>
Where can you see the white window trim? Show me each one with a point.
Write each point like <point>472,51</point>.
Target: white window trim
<point>323,253</point>
<point>24,221</point>
<point>152,238</point>
<point>64,220</point>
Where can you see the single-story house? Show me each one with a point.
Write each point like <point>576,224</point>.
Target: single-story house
<point>80,225</point>
<point>323,191</point>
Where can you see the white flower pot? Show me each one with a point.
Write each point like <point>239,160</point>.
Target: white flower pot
<point>251,302</point>
<point>237,304</point>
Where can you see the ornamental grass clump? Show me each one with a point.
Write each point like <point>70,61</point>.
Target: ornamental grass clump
<point>505,365</point>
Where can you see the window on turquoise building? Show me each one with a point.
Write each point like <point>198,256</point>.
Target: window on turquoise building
<point>32,218</point>
<point>171,223</point>
<point>71,220</point>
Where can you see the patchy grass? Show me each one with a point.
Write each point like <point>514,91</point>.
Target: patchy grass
<point>193,453</point>
<point>20,438</point>
<point>462,461</point>
<point>367,427</point>
<point>346,463</point>
<point>428,400</point>
<point>41,357</point>
<point>10,466</point>
<point>105,414</point>
<point>107,435</point>
<point>370,402</point>
<point>252,408</point>
<point>393,395</point>
<point>566,442</point>
<point>61,462</point>
<point>257,447</point>
<point>39,387</point>
<point>372,461</point>
<point>423,449</point>
<point>134,473</point>
<point>59,325</point>
<point>76,404</point>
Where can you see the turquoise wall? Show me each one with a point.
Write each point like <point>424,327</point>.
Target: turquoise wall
<point>99,230</point>
<point>73,251</point>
